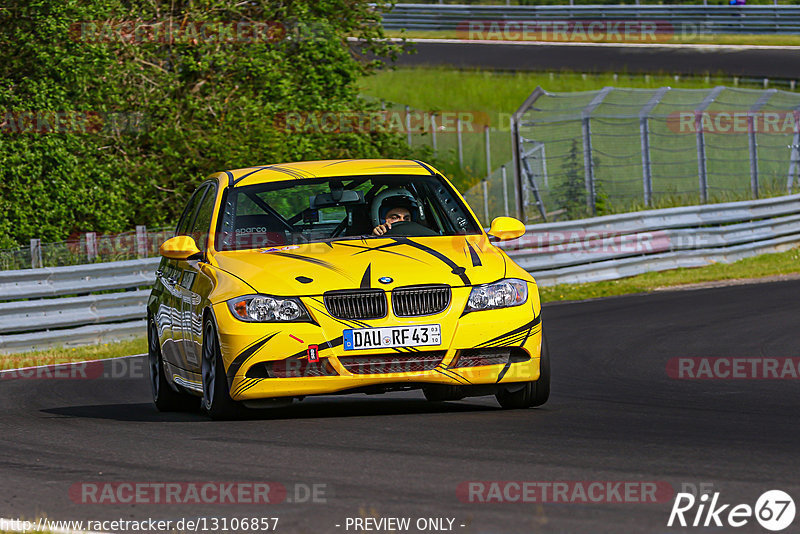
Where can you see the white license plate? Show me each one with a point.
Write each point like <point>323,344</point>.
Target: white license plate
<point>392,336</point>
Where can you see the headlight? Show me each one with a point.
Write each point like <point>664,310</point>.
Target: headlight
<point>501,294</point>
<point>265,309</point>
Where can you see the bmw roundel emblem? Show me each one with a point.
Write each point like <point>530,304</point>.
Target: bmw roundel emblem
<point>385,280</point>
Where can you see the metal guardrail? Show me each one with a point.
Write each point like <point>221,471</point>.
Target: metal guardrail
<point>76,279</point>
<point>28,321</point>
<point>617,246</point>
<point>699,19</point>
<point>600,248</point>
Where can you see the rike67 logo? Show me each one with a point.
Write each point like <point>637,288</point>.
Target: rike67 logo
<point>774,510</point>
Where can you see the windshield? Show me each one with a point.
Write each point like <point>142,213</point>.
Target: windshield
<point>292,212</point>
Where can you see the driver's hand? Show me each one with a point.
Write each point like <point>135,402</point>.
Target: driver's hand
<point>382,228</point>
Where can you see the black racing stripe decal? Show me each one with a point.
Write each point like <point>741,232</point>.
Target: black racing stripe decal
<point>291,172</point>
<point>315,261</point>
<point>237,362</point>
<point>511,333</point>
<point>456,270</point>
<point>456,378</point>
<point>241,386</point>
<point>473,254</point>
<point>452,374</point>
<point>424,167</point>
<point>338,162</point>
<point>242,177</point>
<point>379,249</point>
<point>365,280</point>
<point>250,385</point>
<point>503,371</point>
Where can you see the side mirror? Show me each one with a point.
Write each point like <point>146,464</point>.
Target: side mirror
<point>180,247</point>
<point>505,228</point>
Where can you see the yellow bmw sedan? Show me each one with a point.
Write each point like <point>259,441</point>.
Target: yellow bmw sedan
<point>336,277</point>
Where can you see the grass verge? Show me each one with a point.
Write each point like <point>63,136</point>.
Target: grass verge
<point>58,355</point>
<point>765,265</point>
<point>498,92</point>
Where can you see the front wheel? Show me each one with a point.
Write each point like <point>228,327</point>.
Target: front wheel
<point>533,393</point>
<point>217,402</point>
<point>165,397</point>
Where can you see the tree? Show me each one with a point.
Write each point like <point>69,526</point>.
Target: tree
<point>155,95</point>
<point>570,194</point>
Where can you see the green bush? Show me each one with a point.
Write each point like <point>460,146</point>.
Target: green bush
<point>147,119</point>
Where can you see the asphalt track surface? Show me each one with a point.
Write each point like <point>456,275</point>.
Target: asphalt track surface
<point>749,61</point>
<point>614,415</point>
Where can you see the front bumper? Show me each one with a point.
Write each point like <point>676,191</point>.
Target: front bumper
<point>267,360</point>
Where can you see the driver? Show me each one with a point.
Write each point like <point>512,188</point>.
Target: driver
<point>398,209</point>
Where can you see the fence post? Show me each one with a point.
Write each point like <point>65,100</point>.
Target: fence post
<point>794,155</point>
<point>36,254</point>
<point>701,157</point>
<point>485,201</point>
<point>408,125</point>
<point>588,162</point>
<point>141,241</point>
<point>588,165</point>
<point>794,161</point>
<point>91,246</point>
<point>505,190</point>
<point>433,131</point>
<point>488,152</point>
<point>647,171</point>
<point>519,193</point>
<point>460,143</point>
<point>644,133</point>
<point>753,148</point>
<point>701,141</point>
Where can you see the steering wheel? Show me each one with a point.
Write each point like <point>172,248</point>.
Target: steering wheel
<point>409,228</point>
<point>393,230</point>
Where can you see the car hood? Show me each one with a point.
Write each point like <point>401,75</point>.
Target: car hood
<point>314,268</point>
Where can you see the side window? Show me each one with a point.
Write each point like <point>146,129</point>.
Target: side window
<point>188,213</point>
<point>202,221</point>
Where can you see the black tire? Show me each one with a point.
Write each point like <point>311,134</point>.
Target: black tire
<point>533,393</point>
<point>165,397</point>
<point>217,402</point>
<point>442,393</point>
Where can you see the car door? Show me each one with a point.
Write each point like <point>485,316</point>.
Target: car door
<point>165,311</point>
<point>194,284</point>
<point>173,297</point>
